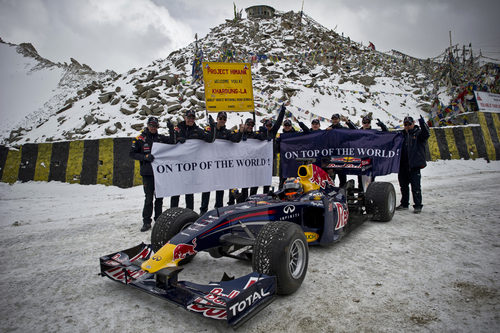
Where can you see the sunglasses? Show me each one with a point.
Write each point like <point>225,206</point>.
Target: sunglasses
<point>222,118</point>
<point>407,124</point>
<point>190,117</point>
<point>287,125</point>
<point>250,124</point>
<point>366,122</point>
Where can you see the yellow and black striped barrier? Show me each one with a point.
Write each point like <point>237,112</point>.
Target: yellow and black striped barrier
<point>478,139</point>
<point>107,161</point>
<point>104,161</point>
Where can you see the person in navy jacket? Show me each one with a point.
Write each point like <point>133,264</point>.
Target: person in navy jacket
<point>141,151</point>
<point>412,160</point>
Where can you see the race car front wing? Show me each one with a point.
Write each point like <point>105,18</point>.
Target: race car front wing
<point>233,300</point>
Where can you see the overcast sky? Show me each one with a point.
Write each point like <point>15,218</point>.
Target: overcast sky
<point>122,34</point>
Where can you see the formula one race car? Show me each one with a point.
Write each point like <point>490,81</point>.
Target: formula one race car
<point>272,231</point>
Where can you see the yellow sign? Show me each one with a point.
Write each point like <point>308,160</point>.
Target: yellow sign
<point>228,86</point>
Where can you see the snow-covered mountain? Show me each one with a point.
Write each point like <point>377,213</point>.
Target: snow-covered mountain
<point>316,71</point>
<point>33,89</point>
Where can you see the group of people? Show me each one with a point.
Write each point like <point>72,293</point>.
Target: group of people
<point>186,130</point>
<point>412,155</point>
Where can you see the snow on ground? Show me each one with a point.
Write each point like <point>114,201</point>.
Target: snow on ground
<point>437,271</point>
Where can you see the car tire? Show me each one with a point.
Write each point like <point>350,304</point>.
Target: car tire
<point>169,224</point>
<point>381,201</point>
<point>281,250</point>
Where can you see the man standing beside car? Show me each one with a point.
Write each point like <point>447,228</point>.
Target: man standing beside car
<point>412,160</point>
<point>141,151</point>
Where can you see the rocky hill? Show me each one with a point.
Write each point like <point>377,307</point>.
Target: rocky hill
<point>35,88</point>
<point>295,60</point>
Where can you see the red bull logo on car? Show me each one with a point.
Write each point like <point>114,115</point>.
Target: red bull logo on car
<point>320,177</point>
<point>181,251</point>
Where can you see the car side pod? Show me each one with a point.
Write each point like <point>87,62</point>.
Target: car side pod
<point>232,300</point>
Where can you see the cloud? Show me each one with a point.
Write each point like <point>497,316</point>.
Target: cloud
<point>121,34</point>
<point>104,34</point>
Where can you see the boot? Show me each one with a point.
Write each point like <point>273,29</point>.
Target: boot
<point>401,207</point>
<point>146,227</point>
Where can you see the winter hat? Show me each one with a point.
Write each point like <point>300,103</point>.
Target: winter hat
<point>190,113</point>
<point>335,116</point>
<point>153,121</point>
<point>408,119</point>
<point>315,121</point>
<point>287,122</point>
<point>249,121</point>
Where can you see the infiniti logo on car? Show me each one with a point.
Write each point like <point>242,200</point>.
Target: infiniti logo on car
<point>289,209</point>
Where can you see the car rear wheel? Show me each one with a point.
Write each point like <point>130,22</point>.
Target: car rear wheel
<point>170,223</point>
<point>281,250</point>
<point>381,201</point>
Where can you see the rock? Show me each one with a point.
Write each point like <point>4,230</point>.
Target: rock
<point>189,93</point>
<point>69,101</point>
<point>133,103</point>
<point>115,101</point>
<point>171,109</point>
<point>110,130</point>
<point>127,112</point>
<point>89,119</point>
<point>172,102</point>
<point>200,94</point>
<point>105,97</point>
<point>169,79</point>
<point>118,89</point>
<point>137,127</point>
<point>101,121</point>
<point>146,110</point>
<point>66,107</point>
<point>152,93</point>
<point>140,88</point>
<point>179,62</point>
<point>157,110</point>
<point>118,125</point>
<point>367,80</point>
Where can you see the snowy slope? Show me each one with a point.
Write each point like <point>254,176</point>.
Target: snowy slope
<point>23,88</point>
<point>34,89</point>
<point>435,272</point>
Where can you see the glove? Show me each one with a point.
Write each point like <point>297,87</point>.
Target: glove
<point>149,157</point>
<point>421,119</point>
<point>170,126</point>
<point>181,140</point>
<point>211,121</point>
<point>283,108</point>
<point>380,123</point>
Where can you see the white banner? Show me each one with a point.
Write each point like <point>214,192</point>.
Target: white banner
<point>197,166</point>
<point>488,102</point>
